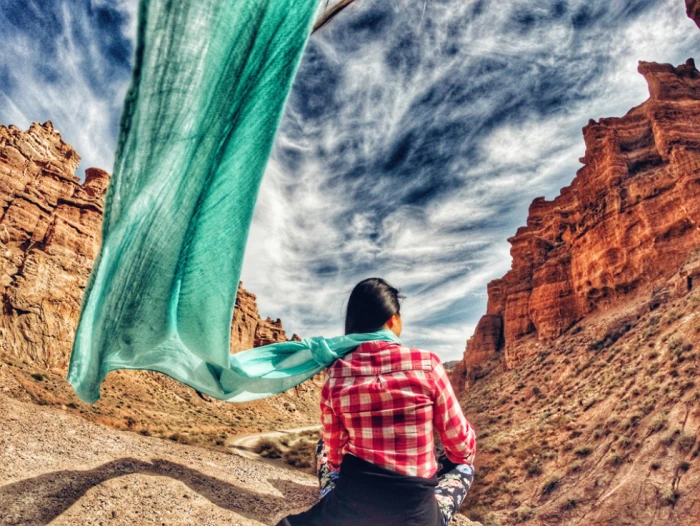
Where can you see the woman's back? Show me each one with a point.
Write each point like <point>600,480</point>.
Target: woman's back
<point>380,402</point>
<point>380,405</point>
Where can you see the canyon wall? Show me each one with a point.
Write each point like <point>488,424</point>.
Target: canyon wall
<point>630,218</point>
<point>693,10</point>
<point>50,229</point>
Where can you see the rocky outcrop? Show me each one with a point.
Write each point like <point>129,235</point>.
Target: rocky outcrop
<point>50,233</point>
<point>248,329</point>
<point>630,218</point>
<point>693,10</point>
<point>49,237</point>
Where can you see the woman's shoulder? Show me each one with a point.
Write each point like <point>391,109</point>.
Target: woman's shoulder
<point>424,354</point>
<point>390,357</point>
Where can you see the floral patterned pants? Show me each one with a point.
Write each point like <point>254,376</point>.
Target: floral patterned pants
<point>454,481</point>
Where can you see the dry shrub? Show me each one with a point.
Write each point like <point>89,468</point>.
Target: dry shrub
<point>179,438</point>
<point>533,467</point>
<point>583,451</point>
<point>657,424</point>
<point>575,466</point>
<point>686,442</point>
<point>551,483</point>
<point>300,455</point>
<point>269,448</point>
<point>669,438</point>
<point>524,513</point>
<point>669,497</point>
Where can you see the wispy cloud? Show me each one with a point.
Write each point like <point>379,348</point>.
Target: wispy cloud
<point>68,62</point>
<point>419,145</point>
<point>415,138</point>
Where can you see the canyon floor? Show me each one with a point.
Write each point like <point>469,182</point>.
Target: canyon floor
<point>55,466</point>
<point>58,468</point>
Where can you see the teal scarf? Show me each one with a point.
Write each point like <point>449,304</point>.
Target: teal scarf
<point>249,375</point>
<point>210,81</point>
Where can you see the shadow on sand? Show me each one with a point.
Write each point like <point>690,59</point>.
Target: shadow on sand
<point>39,500</point>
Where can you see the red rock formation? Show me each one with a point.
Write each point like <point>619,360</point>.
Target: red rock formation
<point>693,10</point>
<point>630,217</point>
<point>49,236</point>
<point>249,329</point>
<point>50,229</point>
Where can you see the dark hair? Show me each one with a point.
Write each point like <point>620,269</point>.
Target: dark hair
<point>372,302</point>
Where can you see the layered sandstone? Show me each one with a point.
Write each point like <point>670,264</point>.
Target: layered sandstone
<point>248,329</point>
<point>50,230</point>
<point>630,218</point>
<point>693,9</point>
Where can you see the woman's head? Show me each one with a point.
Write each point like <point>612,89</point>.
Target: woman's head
<point>372,303</point>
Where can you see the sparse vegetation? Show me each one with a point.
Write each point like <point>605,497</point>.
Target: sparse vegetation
<point>180,438</point>
<point>669,438</point>
<point>583,451</point>
<point>533,467</point>
<point>296,449</point>
<point>300,454</point>
<point>524,513</point>
<point>615,459</point>
<point>686,441</point>
<point>551,483</point>
<point>669,497</point>
<point>658,423</point>
<point>269,448</point>
<point>593,417</point>
<point>569,504</point>
<point>575,466</point>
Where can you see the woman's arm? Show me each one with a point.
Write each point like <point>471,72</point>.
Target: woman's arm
<point>457,434</point>
<point>334,434</point>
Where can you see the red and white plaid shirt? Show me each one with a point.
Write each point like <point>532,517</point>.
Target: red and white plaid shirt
<point>382,401</point>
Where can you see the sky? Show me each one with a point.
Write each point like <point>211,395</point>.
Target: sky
<point>415,137</point>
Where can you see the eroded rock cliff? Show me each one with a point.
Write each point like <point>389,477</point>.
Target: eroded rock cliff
<point>587,411</point>
<point>630,218</point>
<point>50,227</point>
<point>693,9</point>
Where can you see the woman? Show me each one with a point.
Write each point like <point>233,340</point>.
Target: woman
<point>380,405</point>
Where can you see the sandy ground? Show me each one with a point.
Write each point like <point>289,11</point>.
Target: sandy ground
<point>57,467</point>
<point>60,469</point>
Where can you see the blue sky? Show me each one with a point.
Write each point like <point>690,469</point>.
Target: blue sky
<point>416,135</point>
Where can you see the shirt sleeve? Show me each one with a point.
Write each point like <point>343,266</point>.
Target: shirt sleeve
<point>334,434</point>
<point>457,434</point>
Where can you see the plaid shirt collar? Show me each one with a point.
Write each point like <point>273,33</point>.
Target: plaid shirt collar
<point>378,357</point>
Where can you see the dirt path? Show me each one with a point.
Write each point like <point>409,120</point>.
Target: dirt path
<point>244,445</point>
